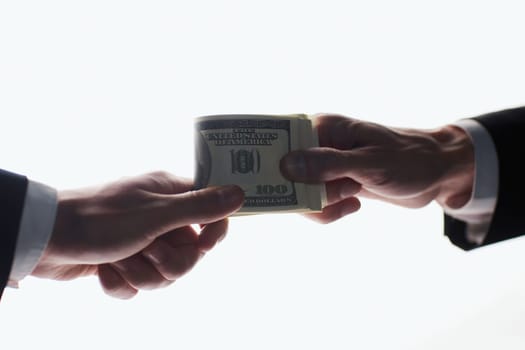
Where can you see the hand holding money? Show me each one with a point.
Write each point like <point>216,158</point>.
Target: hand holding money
<point>408,167</point>
<point>245,150</point>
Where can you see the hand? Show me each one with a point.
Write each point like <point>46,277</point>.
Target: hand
<point>135,233</point>
<point>406,167</point>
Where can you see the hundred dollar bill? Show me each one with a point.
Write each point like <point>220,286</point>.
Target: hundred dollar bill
<point>245,150</point>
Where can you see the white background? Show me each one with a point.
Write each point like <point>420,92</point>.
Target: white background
<point>94,90</point>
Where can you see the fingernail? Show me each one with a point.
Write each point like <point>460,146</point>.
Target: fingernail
<point>294,164</point>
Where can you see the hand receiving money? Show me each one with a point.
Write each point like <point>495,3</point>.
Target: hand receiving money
<point>407,167</point>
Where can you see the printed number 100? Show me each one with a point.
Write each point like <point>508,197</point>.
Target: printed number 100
<point>271,189</point>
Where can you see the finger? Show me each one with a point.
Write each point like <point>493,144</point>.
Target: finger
<point>418,201</point>
<point>113,284</point>
<point>212,234</point>
<point>318,165</point>
<point>140,273</point>
<point>345,133</point>
<point>171,262</point>
<point>64,272</point>
<point>164,182</point>
<point>185,235</point>
<point>160,182</point>
<point>202,206</point>
<point>336,211</point>
<point>332,130</point>
<point>338,190</point>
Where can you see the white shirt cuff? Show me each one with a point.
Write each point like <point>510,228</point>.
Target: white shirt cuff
<point>36,226</point>
<point>478,211</point>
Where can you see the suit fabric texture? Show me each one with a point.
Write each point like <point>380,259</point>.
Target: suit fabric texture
<point>13,189</point>
<point>507,129</point>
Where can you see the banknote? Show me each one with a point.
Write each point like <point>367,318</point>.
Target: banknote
<point>245,150</point>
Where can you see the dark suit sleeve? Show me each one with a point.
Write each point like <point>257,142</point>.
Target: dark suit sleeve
<point>12,195</point>
<point>507,129</point>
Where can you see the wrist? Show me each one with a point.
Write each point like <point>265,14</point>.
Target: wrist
<point>63,224</point>
<point>457,153</point>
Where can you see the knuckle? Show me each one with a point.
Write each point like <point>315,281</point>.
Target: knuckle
<point>169,271</point>
<point>379,178</point>
<point>326,165</point>
<point>160,180</point>
<point>159,174</point>
<point>354,127</point>
<point>170,264</point>
<point>184,264</point>
<point>205,200</point>
<point>139,275</point>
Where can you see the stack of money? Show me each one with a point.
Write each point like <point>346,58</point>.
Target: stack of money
<point>245,150</point>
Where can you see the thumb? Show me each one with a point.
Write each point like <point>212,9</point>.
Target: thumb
<point>317,165</point>
<point>200,207</point>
